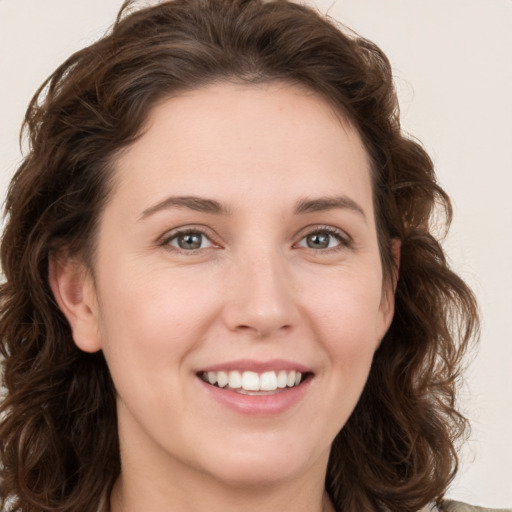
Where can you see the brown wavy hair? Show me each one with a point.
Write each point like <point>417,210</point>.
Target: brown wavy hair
<point>59,449</point>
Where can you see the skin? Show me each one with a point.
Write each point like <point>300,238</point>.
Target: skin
<point>256,289</point>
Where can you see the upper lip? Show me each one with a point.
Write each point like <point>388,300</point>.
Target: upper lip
<point>257,366</point>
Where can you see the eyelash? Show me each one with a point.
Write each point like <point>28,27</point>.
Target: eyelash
<point>192,230</point>
<point>345,241</point>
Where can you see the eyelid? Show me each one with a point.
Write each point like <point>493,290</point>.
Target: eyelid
<point>344,238</point>
<point>165,239</point>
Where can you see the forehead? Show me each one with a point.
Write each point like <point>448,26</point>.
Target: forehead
<point>253,138</point>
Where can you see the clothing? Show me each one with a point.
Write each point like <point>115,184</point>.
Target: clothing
<point>457,506</point>
<point>448,506</point>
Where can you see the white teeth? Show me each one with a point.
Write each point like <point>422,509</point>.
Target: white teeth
<point>235,380</point>
<point>222,379</point>
<point>268,381</point>
<point>252,381</point>
<point>282,378</point>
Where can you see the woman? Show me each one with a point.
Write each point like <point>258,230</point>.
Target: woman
<point>221,286</point>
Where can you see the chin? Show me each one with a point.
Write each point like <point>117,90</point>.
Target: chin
<point>261,466</point>
<point>243,474</point>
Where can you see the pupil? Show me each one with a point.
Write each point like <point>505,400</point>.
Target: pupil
<point>318,241</point>
<point>190,241</point>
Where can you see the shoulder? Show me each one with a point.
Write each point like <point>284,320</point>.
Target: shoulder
<point>457,506</point>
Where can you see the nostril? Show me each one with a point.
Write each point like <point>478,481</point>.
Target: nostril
<point>261,329</point>
<point>260,308</point>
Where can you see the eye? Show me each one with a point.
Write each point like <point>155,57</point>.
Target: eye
<point>324,239</point>
<point>189,240</point>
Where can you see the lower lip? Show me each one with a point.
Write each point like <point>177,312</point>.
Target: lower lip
<point>258,405</point>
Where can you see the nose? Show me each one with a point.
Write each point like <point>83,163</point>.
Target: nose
<point>260,297</point>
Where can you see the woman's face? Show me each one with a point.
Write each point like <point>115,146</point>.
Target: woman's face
<point>239,246</point>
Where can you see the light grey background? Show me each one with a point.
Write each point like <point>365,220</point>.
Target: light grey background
<point>453,66</point>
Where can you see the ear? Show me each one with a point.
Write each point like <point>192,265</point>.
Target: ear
<point>387,305</point>
<point>74,291</point>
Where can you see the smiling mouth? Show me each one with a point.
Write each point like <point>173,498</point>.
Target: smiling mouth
<point>253,383</point>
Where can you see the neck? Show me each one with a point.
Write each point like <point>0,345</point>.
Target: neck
<point>124,499</point>
<point>164,480</point>
<point>180,489</point>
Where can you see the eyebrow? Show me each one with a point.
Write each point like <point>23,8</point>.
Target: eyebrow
<point>212,206</point>
<point>197,204</point>
<point>329,203</point>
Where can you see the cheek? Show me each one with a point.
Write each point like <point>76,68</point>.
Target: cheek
<point>345,321</point>
<point>154,317</point>
<point>149,326</point>
<point>348,312</point>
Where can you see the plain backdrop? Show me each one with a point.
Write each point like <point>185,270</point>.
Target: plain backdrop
<point>453,66</point>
